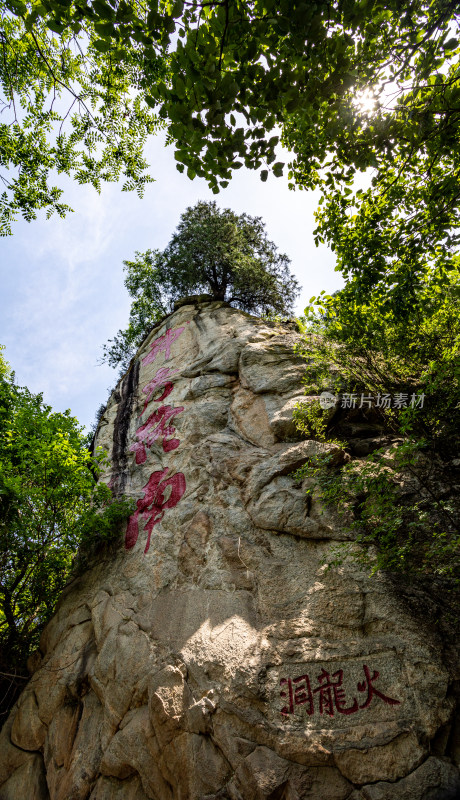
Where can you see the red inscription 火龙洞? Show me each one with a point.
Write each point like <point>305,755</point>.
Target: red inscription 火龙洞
<point>330,693</point>
<point>367,685</point>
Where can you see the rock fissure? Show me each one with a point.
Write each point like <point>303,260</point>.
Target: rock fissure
<point>125,405</point>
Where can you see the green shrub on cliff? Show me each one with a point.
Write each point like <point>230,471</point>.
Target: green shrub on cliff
<point>402,497</point>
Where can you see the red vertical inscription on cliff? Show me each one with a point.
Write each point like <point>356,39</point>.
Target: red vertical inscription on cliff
<point>160,380</point>
<point>154,428</point>
<point>152,506</point>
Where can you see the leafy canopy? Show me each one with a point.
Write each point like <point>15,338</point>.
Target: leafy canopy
<point>212,251</point>
<point>49,506</point>
<point>67,106</point>
<point>229,78</point>
<point>238,68</point>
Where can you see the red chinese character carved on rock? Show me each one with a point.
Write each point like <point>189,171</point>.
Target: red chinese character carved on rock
<point>152,506</point>
<point>158,381</point>
<point>367,684</point>
<point>163,345</point>
<point>298,695</point>
<point>332,694</point>
<point>155,427</point>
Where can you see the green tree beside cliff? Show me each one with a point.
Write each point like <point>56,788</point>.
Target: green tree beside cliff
<point>49,507</point>
<point>402,497</point>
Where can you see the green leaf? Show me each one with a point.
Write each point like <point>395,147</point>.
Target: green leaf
<point>451,44</point>
<point>17,7</point>
<point>103,9</point>
<point>102,45</point>
<point>56,27</point>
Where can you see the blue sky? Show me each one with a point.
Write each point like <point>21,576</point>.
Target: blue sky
<point>62,280</point>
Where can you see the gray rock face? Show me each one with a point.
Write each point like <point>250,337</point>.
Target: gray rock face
<point>214,656</point>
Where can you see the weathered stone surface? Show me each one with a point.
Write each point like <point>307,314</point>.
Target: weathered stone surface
<point>280,417</point>
<point>260,361</point>
<point>80,768</point>
<point>28,731</point>
<point>392,761</point>
<point>214,656</point>
<point>113,789</point>
<point>11,757</point>
<point>28,781</point>
<point>263,774</point>
<point>433,780</point>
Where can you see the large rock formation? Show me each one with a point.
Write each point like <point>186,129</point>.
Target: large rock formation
<point>214,654</point>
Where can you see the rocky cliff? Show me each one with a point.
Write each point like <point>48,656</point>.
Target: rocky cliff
<point>213,654</point>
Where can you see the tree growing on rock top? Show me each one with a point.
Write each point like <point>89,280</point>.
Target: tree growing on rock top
<point>214,251</point>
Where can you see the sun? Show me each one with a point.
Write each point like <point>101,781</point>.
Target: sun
<point>365,101</point>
